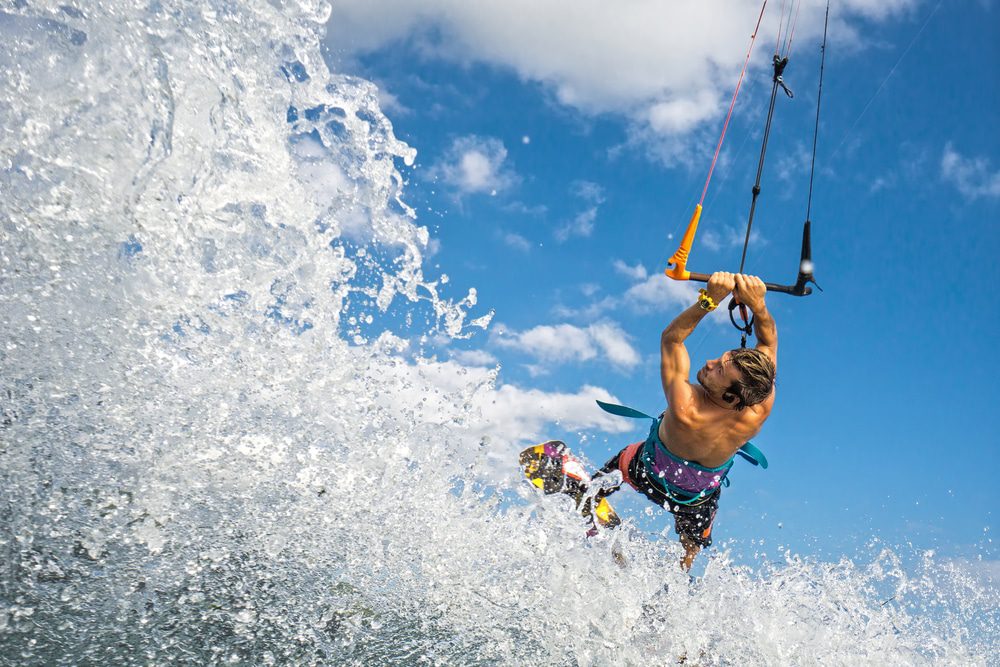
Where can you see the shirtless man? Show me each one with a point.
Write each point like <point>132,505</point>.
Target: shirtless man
<point>682,464</point>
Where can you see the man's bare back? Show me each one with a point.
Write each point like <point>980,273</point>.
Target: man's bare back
<point>708,434</point>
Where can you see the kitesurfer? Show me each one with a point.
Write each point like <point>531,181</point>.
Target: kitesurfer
<point>683,462</point>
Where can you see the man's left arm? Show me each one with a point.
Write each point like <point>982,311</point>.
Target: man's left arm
<point>750,290</point>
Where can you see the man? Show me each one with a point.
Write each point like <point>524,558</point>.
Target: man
<point>682,464</point>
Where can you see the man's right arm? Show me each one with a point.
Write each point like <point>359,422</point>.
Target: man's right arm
<point>750,290</point>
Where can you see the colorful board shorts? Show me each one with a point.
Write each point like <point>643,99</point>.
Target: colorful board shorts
<point>693,522</point>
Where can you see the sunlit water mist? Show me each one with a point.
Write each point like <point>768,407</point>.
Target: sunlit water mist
<point>218,445</point>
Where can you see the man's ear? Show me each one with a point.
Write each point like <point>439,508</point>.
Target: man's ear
<point>730,397</point>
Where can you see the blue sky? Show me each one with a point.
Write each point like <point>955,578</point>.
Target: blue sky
<point>561,149</point>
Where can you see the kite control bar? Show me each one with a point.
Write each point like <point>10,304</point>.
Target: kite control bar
<point>794,290</point>
<point>678,262</point>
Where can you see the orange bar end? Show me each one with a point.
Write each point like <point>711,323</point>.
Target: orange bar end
<point>677,268</point>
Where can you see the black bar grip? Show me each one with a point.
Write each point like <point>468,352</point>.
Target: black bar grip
<point>794,290</point>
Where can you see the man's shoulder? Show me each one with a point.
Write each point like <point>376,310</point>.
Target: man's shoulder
<point>767,405</point>
<point>694,410</point>
<point>700,415</point>
<point>754,416</point>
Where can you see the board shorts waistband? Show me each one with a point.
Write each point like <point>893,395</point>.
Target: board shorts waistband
<point>625,461</point>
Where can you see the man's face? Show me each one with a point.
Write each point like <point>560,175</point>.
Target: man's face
<point>718,375</point>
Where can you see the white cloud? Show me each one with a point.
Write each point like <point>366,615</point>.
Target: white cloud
<point>660,293</point>
<point>974,177</point>
<point>526,412</point>
<point>668,67</point>
<point>724,237</point>
<point>652,293</point>
<point>878,9</point>
<point>711,239</point>
<point>681,115</point>
<point>588,191</point>
<point>475,165</point>
<point>433,247</point>
<point>614,342</point>
<point>536,370</point>
<point>524,209</point>
<point>474,357</point>
<point>582,223</point>
<point>792,167</point>
<point>562,343</point>
<point>882,183</point>
<point>507,414</point>
<point>591,311</point>
<point>517,241</point>
<point>390,104</point>
<point>637,272</point>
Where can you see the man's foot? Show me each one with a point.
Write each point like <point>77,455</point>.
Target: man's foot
<point>619,556</point>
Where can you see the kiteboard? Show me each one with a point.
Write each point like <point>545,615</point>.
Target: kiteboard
<point>552,468</point>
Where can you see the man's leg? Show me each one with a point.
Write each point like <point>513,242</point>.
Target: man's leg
<point>693,524</point>
<point>691,550</point>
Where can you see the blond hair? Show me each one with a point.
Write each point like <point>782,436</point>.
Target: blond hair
<point>757,371</point>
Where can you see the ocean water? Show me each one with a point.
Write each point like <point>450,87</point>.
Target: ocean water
<point>221,442</point>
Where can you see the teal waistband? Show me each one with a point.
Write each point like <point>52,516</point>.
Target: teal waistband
<point>748,451</point>
<point>653,444</point>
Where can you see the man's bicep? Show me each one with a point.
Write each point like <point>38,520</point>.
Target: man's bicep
<point>674,361</point>
<point>675,366</point>
<point>771,351</point>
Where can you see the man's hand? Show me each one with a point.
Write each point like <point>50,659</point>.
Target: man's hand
<point>750,292</point>
<point>720,284</point>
